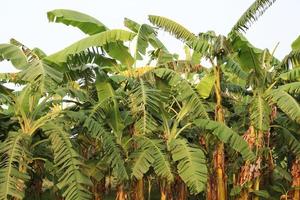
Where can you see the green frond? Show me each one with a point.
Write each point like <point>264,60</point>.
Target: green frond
<point>85,79</point>
<point>260,112</point>
<point>12,154</point>
<point>198,44</point>
<point>85,23</point>
<point>248,57</point>
<point>144,102</point>
<point>291,88</point>
<point>188,54</point>
<point>205,86</point>
<point>33,70</point>
<point>283,173</point>
<point>283,120</point>
<point>39,53</point>
<point>227,135</point>
<point>42,74</point>
<point>132,25</point>
<point>180,66</point>
<point>289,139</point>
<point>145,123</point>
<point>142,161</point>
<point>172,27</point>
<point>97,40</point>
<point>163,57</point>
<point>91,26</point>
<point>27,102</point>
<point>234,68</point>
<point>252,14</point>
<point>14,54</point>
<point>72,91</point>
<point>233,88</point>
<point>144,33</point>
<point>292,60</point>
<point>191,165</point>
<point>196,57</point>
<point>29,53</point>
<point>286,103</point>
<point>113,151</point>
<point>91,56</point>
<point>296,44</point>
<point>291,75</point>
<point>71,181</point>
<point>6,98</point>
<point>105,90</point>
<point>108,101</point>
<point>151,152</point>
<point>119,51</point>
<point>185,91</point>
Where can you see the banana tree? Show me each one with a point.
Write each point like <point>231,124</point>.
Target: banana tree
<point>31,124</point>
<point>34,111</point>
<point>264,85</point>
<point>215,49</point>
<point>290,76</point>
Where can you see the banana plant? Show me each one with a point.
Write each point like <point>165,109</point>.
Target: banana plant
<point>215,49</point>
<point>266,84</point>
<point>34,108</point>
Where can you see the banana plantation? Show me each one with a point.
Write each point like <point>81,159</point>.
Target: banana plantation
<point>90,122</point>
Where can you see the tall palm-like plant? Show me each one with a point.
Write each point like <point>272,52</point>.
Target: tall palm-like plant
<point>37,112</point>
<point>266,91</point>
<point>215,49</point>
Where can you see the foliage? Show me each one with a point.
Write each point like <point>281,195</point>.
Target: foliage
<point>86,121</point>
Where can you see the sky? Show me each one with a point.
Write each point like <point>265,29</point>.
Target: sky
<point>26,21</point>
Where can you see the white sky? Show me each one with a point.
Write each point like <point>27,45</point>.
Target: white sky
<point>26,20</point>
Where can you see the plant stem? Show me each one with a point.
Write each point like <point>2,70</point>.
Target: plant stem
<point>182,190</point>
<point>163,191</point>
<point>296,178</point>
<point>121,194</point>
<point>149,188</point>
<point>140,190</point>
<point>256,187</point>
<point>219,154</point>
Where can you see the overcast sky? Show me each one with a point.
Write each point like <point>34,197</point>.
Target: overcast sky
<point>26,20</point>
